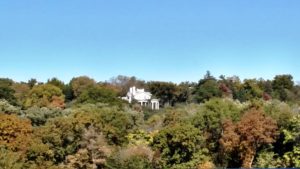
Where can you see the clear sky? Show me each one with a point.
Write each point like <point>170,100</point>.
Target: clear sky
<point>169,40</point>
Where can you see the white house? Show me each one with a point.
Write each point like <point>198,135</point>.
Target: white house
<point>141,96</point>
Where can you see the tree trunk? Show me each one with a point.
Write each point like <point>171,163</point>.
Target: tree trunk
<point>248,160</point>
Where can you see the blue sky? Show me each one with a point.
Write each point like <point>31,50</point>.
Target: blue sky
<point>169,40</point>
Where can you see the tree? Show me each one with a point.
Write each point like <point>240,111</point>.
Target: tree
<point>178,143</point>
<point>40,115</point>
<point>281,85</point>
<point>10,159</point>
<point>266,159</point>
<point>56,82</point>
<point>66,88</point>
<point>279,111</point>
<point>21,91</point>
<point>100,94</point>
<point>292,137</point>
<point>184,92</point>
<point>39,155</point>
<point>32,82</point>
<point>211,114</point>
<point>265,85</point>
<point>250,90</point>
<point>46,95</point>
<point>6,107</point>
<point>93,151</point>
<point>81,83</point>
<point>226,92</point>
<point>207,88</point>
<point>283,81</point>
<point>133,157</point>
<point>116,125</point>
<point>6,91</point>
<point>166,92</point>
<point>62,136</point>
<point>248,135</point>
<point>15,133</point>
<point>234,84</point>
<point>123,83</point>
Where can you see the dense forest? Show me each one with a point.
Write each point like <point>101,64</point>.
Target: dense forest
<point>215,122</point>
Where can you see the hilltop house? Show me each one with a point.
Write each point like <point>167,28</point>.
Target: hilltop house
<point>142,97</point>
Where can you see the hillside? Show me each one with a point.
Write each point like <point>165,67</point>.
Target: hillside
<point>215,122</point>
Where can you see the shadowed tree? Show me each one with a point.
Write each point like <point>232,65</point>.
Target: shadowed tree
<point>97,94</point>
<point>281,85</point>
<point>207,88</point>
<point>6,91</point>
<point>170,93</point>
<point>32,82</point>
<point>81,83</point>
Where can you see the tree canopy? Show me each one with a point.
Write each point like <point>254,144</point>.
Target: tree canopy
<point>220,122</point>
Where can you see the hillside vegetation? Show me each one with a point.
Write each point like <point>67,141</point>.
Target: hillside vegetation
<point>216,122</point>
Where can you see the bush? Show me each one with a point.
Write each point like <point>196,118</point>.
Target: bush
<point>134,157</point>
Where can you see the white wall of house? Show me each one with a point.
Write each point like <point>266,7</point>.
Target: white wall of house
<point>141,96</point>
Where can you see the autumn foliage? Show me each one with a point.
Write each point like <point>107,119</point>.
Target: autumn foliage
<point>15,133</point>
<point>245,137</point>
<point>215,123</point>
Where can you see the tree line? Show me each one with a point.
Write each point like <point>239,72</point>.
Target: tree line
<point>215,122</point>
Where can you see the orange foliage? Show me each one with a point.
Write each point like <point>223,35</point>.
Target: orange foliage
<point>57,102</point>
<point>254,130</point>
<point>15,133</point>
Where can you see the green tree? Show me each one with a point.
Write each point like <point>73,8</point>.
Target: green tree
<point>68,92</point>
<point>281,85</point>
<point>207,88</point>
<point>279,111</point>
<point>10,159</point>
<point>6,91</point>
<point>40,115</point>
<point>39,155</point>
<point>56,82</point>
<point>62,135</point>
<point>116,125</point>
<point>184,92</point>
<point>81,83</point>
<point>250,90</point>
<point>7,108</point>
<point>267,159</point>
<point>210,116</point>
<point>66,88</point>
<point>97,94</point>
<point>46,95</point>
<point>283,81</point>
<point>166,92</point>
<point>178,144</point>
<point>133,157</point>
<point>113,122</point>
<point>32,82</point>
<point>292,137</point>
